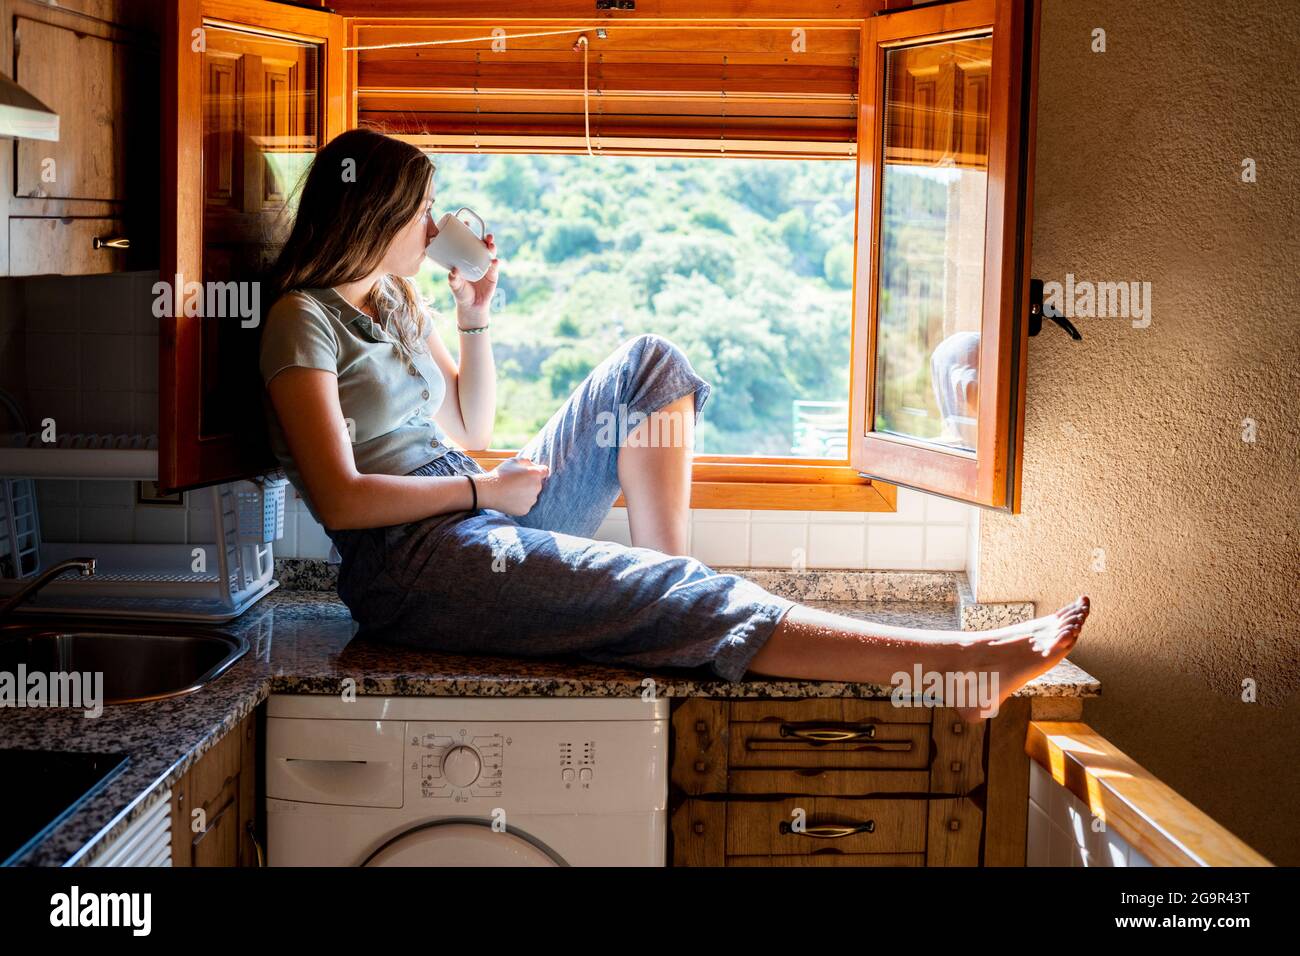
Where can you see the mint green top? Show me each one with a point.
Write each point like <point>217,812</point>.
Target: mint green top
<point>388,395</point>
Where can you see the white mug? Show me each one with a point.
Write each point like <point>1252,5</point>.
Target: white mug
<point>456,245</point>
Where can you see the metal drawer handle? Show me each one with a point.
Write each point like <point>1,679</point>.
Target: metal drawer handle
<point>823,735</point>
<point>116,242</point>
<point>831,831</point>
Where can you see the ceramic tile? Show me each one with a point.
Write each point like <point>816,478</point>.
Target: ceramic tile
<point>895,547</point>
<point>778,545</point>
<point>837,546</point>
<point>945,511</point>
<point>720,542</point>
<point>159,524</point>
<point>945,548</point>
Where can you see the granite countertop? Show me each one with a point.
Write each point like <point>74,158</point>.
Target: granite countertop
<point>302,642</point>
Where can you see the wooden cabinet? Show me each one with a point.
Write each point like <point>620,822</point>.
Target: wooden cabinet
<point>845,782</point>
<point>214,805</point>
<point>253,90</point>
<point>89,202</point>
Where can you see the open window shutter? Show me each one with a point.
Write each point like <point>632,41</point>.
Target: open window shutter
<point>945,177</point>
<point>737,89</point>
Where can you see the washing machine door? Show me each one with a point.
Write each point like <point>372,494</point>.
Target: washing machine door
<point>463,843</point>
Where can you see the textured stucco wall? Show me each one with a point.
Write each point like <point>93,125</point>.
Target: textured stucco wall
<point>1134,436</point>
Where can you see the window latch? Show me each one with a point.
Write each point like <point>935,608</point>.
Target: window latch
<point>1038,311</point>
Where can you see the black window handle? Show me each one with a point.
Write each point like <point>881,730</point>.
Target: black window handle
<point>1037,312</point>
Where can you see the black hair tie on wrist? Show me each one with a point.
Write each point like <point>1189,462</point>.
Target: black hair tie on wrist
<point>474,489</point>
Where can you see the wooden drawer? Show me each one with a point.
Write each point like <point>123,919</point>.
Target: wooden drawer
<point>42,246</point>
<point>882,826</point>
<point>844,734</point>
<point>933,832</point>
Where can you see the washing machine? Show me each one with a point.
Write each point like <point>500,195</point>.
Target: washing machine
<point>466,781</point>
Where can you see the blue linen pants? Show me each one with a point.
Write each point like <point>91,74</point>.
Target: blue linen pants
<point>485,583</point>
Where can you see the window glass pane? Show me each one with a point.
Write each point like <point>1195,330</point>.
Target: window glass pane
<point>260,133</point>
<point>747,264</point>
<point>931,281</point>
<point>261,119</point>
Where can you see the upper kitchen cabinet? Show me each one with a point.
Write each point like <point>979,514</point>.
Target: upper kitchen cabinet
<point>253,89</point>
<point>87,203</point>
<point>946,135</point>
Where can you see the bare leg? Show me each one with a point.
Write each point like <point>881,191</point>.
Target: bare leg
<point>654,470</point>
<point>816,645</point>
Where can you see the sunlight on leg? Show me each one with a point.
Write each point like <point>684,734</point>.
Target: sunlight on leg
<point>654,470</point>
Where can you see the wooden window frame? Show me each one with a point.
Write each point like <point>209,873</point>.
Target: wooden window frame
<point>187,459</point>
<point>876,465</point>
<point>770,484</point>
<point>990,477</point>
<point>723,482</point>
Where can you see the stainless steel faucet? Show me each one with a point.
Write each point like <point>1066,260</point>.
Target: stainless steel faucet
<point>86,566</point>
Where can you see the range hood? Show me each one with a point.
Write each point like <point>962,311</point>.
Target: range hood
<point>23,115</point>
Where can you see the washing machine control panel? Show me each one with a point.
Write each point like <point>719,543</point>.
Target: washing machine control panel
<point>457,764</point>
<point>533,766</point>
<point>577,764</point>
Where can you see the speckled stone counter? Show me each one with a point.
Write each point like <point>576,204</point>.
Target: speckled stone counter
<point>302,642</point>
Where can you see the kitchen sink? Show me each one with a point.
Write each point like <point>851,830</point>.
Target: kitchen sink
<point>139,661</point>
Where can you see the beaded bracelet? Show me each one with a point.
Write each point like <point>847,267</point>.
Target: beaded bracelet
<point>481,328</point>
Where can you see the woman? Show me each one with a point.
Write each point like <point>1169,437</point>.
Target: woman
<point>438,553</point>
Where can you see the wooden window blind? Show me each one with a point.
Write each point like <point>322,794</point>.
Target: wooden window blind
<point>775,89</point>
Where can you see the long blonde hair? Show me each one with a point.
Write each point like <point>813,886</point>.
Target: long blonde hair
<point>361,189</point>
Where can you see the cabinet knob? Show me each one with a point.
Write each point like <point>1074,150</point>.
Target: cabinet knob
<point>954,824</point>
<point>697,827</point>
<point>701,726</point>
<point>700,766</point>
<point>111,242</point>
<point>956,766</point>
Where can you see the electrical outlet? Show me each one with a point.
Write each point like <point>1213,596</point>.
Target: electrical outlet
<point>148,493</point>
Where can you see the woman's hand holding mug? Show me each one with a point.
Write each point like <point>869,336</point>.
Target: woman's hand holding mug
<point>511,487</point>
<point>471,263</point>
<point>474,297</point>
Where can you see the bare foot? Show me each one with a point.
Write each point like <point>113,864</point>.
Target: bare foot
<point>1017,654</point>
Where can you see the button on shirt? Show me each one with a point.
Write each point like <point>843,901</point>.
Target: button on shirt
<point>388,395</point>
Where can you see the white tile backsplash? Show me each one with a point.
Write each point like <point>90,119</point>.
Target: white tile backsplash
<point>1062,829</point>
<point>101,494</point>
<point>89,511</point>
<point>106,362</point>
<point>945,547</point>
<point>895,547</point>
<point>59,522</point>
<point>106,524</point>
<point>615,528</point>
<point>760,539</point>
<point>778,544</point>
<point>92,347</point>
<point>944,511</point>
<point>837,545</point>
<point>313,542</point>
<point>720,542</point>
<point>91,351</point>
<point>161,524</point>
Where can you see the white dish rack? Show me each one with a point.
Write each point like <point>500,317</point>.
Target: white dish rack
<point>211,582</point>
